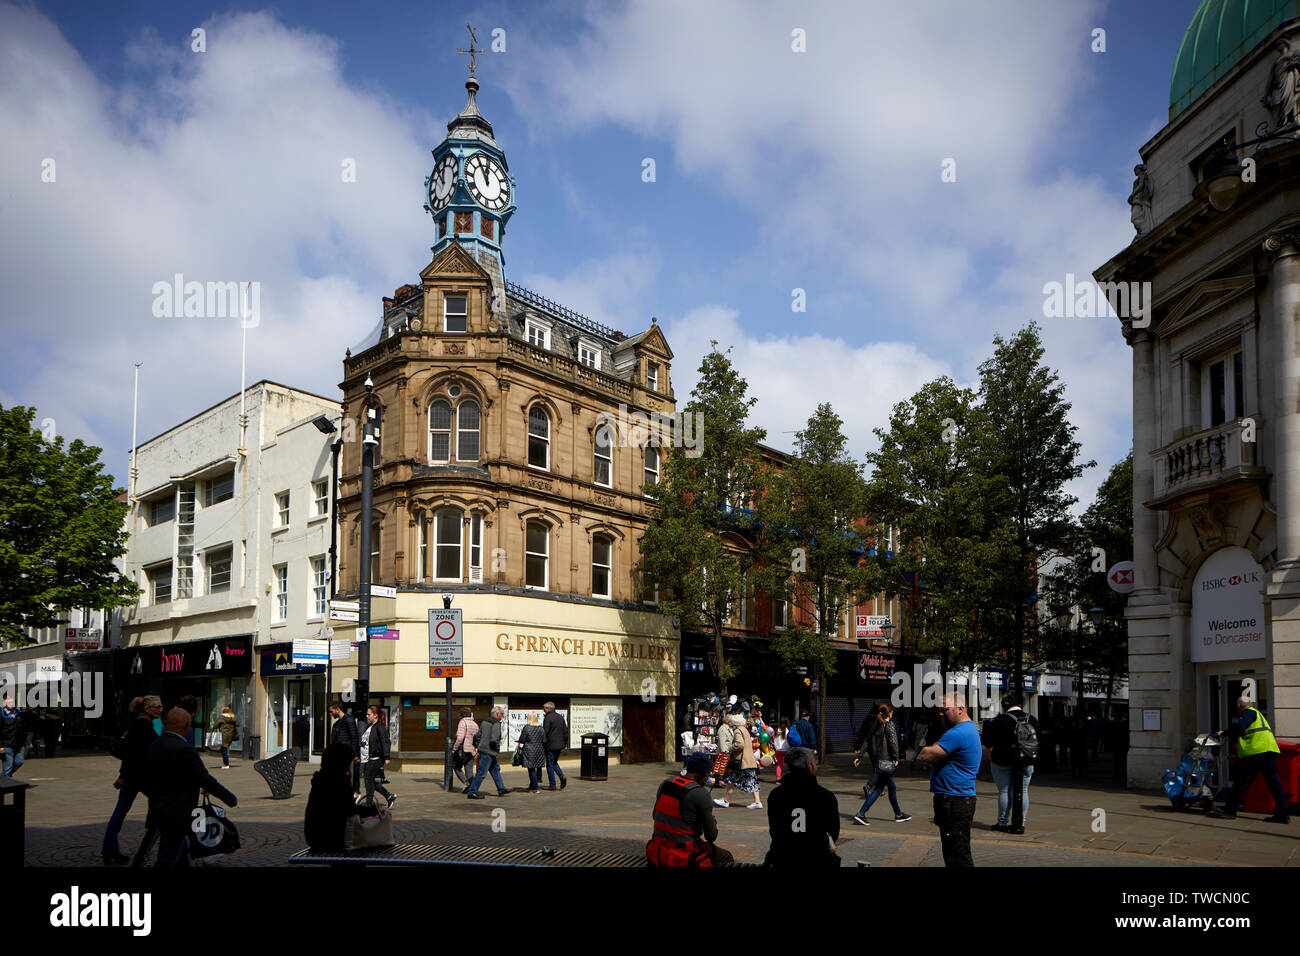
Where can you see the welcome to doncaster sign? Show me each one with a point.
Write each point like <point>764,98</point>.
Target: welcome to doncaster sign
<point>1228,608</point>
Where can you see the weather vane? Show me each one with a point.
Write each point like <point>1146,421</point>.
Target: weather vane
<point>473,60</point>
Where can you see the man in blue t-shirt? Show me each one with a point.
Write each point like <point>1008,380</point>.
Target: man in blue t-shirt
<point>954,760</point>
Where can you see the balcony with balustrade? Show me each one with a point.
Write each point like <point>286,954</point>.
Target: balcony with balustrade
<point>1207,459</point>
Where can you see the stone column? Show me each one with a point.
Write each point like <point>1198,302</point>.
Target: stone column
<point>1284,581</point>
<point>1285,279</point>
<point>1145,441</point>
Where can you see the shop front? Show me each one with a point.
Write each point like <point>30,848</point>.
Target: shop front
<point>607,670</point>
<point>863,679</point>
<point>295,703</point>
<point>217,672</point>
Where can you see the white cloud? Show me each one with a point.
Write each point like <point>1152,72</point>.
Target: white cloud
<point>222,166</point>
<point>838,151</point>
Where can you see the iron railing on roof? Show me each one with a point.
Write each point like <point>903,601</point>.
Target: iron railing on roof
<point>559,311</point>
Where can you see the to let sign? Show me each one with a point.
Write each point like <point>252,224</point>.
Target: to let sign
<point>446,643</point>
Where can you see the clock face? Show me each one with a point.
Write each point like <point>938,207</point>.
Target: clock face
<point>487,182</point>
<point>441,183</point>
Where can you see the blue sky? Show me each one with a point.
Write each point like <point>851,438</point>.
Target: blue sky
<point>775,170</point>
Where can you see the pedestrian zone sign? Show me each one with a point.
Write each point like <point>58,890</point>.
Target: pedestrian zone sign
<point>446,643</point>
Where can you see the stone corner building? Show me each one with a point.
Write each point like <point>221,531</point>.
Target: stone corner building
<point>496,483</point>
<point>1216,387</point>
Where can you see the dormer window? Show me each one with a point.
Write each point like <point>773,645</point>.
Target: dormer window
<point>588,354</point>
<point>455,313</point>
<point>538,334</point>
<point>652,376</point>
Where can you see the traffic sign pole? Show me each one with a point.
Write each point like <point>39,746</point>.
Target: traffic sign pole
<point>446,659</point>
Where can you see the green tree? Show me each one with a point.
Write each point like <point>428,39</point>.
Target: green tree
<point>924,487</point>
<point>1103,537</point>
<point>1024,442</point>
<point>817,503</point>
<point>703,546</point>
<point>60,529</point>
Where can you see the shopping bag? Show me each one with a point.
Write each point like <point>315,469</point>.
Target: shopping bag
<point>211,832</point>
<point>213,740</point>
<point>720,764</point>
<point>371,827</point>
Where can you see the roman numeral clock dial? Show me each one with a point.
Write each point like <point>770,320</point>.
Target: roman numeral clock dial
<point>487,182</point>
<point>441,184</point>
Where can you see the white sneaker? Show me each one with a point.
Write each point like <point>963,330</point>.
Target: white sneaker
<point>720,803</point>
<point>754,806</point>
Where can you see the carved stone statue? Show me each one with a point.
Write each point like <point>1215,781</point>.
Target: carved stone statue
<point>1283,96</point>
<point>1139,200</point>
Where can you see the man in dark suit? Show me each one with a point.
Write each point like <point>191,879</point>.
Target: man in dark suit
<point>347,731</point>
<point>174,773</point>
<point>556,734</point>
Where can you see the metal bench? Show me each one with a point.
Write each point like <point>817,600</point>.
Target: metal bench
<point>278,772</point>
<point>423,854</point>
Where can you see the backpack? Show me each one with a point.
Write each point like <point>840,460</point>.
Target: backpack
<point>1026,737</point>
<point>792,736</point>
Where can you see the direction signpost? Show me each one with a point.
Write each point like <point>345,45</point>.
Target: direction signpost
<point>447,659</point>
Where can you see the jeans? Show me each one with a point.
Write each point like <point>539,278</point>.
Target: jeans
<point>173,849</point>
<point>225,756</point>
<point>877,788</point>
<point>11,760</point>
<point>487,763</point>
<point>953,816</point>
<point>125,797</point>
<point>1004,777</point>
<point>534,778</point>
<point>553,767</point>
<point>372,770</point>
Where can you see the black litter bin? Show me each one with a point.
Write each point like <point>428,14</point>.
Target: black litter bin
<point>595,757</point>
<point>13,809</point>
<point>252,747</point>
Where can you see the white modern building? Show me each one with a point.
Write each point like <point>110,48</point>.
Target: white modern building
<point>1216,387</point>
<point>230,544</point>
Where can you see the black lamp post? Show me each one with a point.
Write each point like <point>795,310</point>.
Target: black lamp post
<point>369,442</point>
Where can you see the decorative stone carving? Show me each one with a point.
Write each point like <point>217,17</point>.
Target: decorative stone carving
<point>1139,200</point>
<point>1278,241</point>
<point>1208,520</point>
<point>453,348</point>
<point>1283,94</point>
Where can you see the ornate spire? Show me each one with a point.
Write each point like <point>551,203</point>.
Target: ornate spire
<point>470,123</point>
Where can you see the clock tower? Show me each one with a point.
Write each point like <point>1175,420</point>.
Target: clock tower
<point>470,194</point>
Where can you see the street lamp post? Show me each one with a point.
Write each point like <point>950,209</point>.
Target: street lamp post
<point>369,442</point>
<point>1223,178</point>
<point>325,426</point>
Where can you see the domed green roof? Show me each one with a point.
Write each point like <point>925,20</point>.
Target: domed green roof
<point>1220,34</point>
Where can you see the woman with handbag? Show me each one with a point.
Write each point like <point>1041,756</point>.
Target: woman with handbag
<point>532,752</point>
<point>883,752</point>
<point>462,750</point>
<point>742,774</point>
<point>227,724</point>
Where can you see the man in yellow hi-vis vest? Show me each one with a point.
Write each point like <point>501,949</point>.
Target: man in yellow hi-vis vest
<point>1258,750</point>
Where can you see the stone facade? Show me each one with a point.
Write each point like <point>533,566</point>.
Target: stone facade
<point>1216,421</point>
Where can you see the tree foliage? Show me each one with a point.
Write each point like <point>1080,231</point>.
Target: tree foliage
<point>704,545</point>
<point>60,529</point>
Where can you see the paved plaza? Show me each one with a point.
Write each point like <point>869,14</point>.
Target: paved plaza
<point>73,798</point>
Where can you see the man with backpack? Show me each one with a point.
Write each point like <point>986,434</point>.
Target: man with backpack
<point>803,733</point>
<point>1013,742</point>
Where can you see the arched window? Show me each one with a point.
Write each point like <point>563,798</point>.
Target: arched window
<point>440,431</point>
<point>604,456</point>
<point>448,527</point>
<point>537,549</point>
<point>602,554</point>
<point>539,438</point>
<point>651,465</point>
<point>467,421</point>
